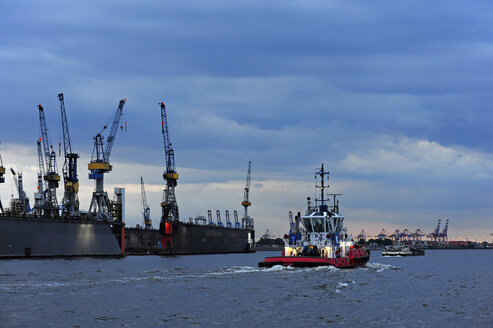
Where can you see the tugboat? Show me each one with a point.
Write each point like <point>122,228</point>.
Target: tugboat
<point>323,240</point>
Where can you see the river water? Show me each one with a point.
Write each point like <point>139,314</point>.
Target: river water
<point>444,288</point>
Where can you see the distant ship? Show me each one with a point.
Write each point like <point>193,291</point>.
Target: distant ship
<point>402,250</point>
<point>323,240</point>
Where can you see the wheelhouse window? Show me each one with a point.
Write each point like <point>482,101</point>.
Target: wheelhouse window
<point>308,224</point>
<point>318,224</point>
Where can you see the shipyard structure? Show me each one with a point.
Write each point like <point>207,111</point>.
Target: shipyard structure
<point>50,228</point>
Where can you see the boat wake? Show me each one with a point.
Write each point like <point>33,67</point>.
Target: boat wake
<point>275,268</point>
<point>379,267</point>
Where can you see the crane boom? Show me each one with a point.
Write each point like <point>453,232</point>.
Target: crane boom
<point>114,128</point>
<point>44,134</point>
<point>67,147</point>
<point>168,150</point>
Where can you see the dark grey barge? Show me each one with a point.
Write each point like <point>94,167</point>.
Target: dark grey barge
<point>182,238</point>
<point>28,236</point>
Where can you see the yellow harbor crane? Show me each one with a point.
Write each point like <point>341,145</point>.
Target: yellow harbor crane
<point>100,207</point>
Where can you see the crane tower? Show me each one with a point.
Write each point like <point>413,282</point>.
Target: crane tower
<point>100,207</point>
<point>169,205</point>
<point>247,221</point>
<point>70,206</point>
<point>51,176</point>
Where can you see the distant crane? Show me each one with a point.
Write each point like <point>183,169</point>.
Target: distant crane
<point>362,235</point>
<point>209,216</point>
<point>406,234</point>
<point>218,216</point>
<point>20,205</point>
<point>237,223</point>
<point>436,233</point>
<point>247,221</point>
<point>146,211</point>
<point>50,206</point>
<point>39,195</point>
<point>70,203</point>
<point>100,207</point>
<point>418,235</point>
<point>169,205</point>
<point>228,221</point>
<point>2,179</point>
<point>267,235</point>
<point>383,234</point>
<point>443,235</point>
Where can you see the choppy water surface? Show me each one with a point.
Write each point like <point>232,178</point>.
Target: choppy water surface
<point>442,289</point>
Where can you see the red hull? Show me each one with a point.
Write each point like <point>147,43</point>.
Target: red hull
<point>355,258</point>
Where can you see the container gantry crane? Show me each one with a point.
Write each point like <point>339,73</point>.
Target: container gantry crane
<point>146,210</point>
<point>237,222</point>
<point>209,217</point>
<point>50,207</point>
<point>70,208</point>
<point>100,208</point>
<point>169,205</point>
<point>247,221</point>
<point>436,233</point>
<point>228,220</point>
<point>443,235</point>
<point>218,219</point>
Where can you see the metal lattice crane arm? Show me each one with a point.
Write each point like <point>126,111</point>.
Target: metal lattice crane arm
<point>44,134</point>
<point>168,150</point>
<point>67,147</point>
<point>114,128</point>
<point>246,202</point>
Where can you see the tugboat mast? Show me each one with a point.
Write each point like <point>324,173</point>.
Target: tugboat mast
<point>322,173</point>
<point>324,207</point>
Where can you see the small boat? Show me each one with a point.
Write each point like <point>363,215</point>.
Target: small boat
<point>402,250</point>
<point>322,240</point>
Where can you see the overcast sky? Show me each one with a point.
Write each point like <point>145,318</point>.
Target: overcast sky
<point>394,97</point>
